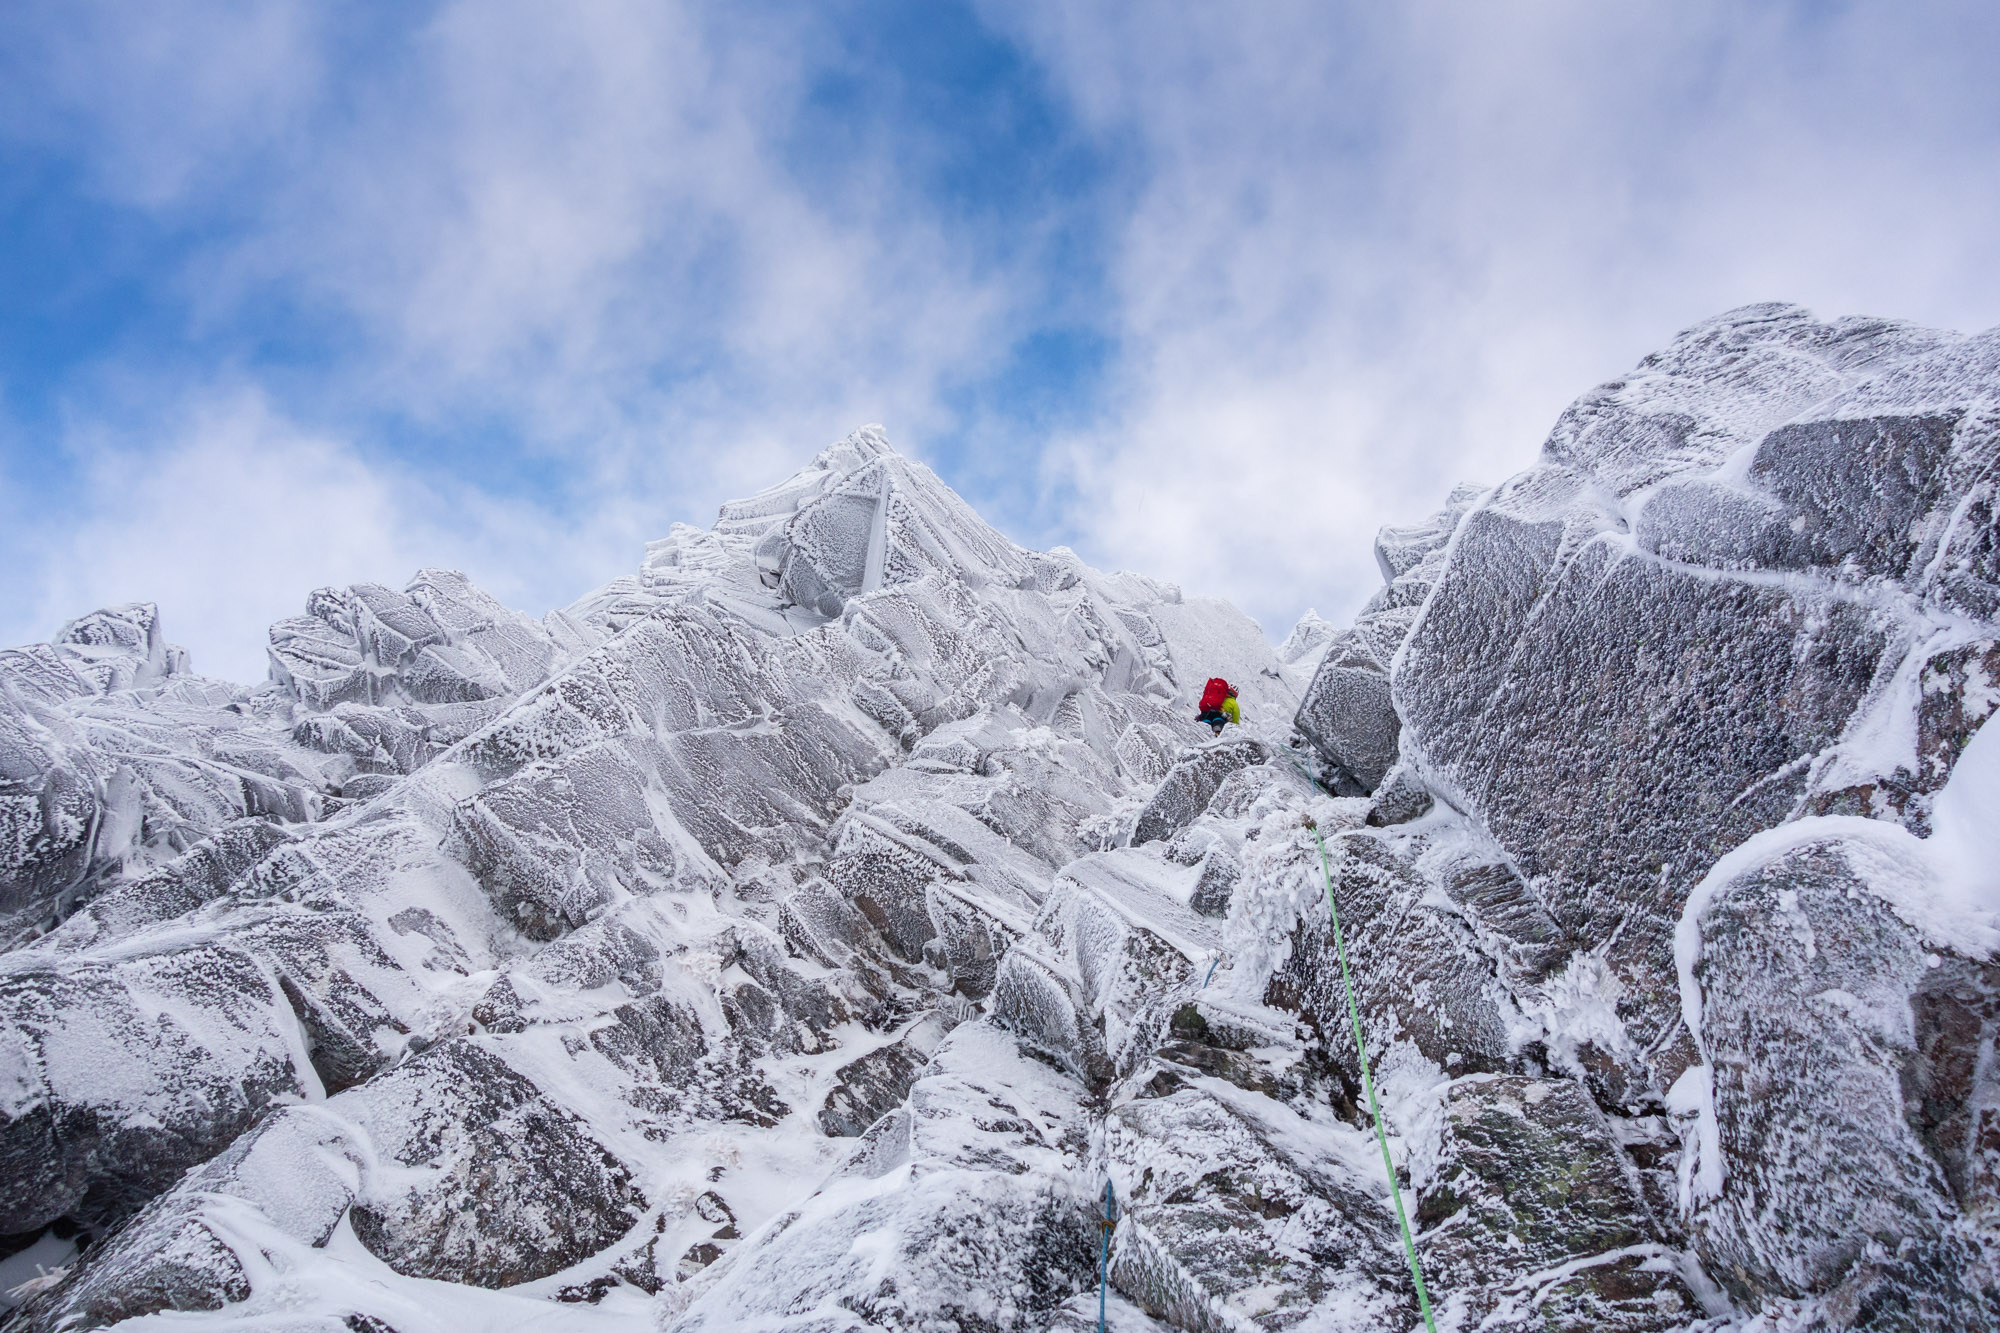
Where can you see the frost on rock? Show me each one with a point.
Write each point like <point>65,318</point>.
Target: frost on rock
<point>1417,969</point>
<point>1191,784</point>
<point>595,939</point>
<point>121,1077</point>
<point>439,641</point>
<point>1851,1092</point>
<point>871,1086</point>
<point>801,932</point>
<point>1533,1216</point>
<point>1748,585</point>
<point>293,1174</point>
<point>1306,647</point>
<point>1347,713</point>
<point>503,1186</point>
<point>968,1220</point>
<point>1652,644</point>
<point>1238,1213</point>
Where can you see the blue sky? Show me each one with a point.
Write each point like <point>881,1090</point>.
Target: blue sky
<point>306,294</point>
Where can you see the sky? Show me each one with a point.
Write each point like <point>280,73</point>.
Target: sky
<point>301,294</point>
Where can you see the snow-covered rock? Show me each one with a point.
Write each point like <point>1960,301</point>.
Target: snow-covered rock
<point>1671,632</point>
<point>1843,1044</point>
<point>1535,1218</point>
<point>805,931</point>
<point>660,899</point>
<point>1642,694</point>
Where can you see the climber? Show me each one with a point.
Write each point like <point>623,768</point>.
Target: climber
<point>1218,705</point>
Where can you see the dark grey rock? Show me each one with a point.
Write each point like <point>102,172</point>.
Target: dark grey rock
<point>1189,786</point>
<point>1610,676</point>
<point>678,1075</point>
<point>1534,945</point>
<point>1861,487</point>
<point>510,1186</point>
<point>1613,778</point>
<point>1349,716</point>
<point>1220,869</point>
<point>1811,992</point>
<point>1419,974</point>
<point>207,872</point>
<point>1228,1223</point>
<point>1532,1216</point>
<point>1400,798</point>
<point>868,1088</point>
<point>95,1150</point>
<point>295,1168</point>
<point>170,1261</point>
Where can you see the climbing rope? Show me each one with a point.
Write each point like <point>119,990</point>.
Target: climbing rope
<point>1105,1226</point>
<point>1293,760</point>
<point>1368,1086</point>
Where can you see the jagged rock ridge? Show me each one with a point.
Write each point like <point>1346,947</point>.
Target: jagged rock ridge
<point>799,933</point>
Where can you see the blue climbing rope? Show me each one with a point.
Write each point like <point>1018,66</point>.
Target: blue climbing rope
<point>1293,760</point>
<point>1368,1086</point>
<point>1104,1255</point>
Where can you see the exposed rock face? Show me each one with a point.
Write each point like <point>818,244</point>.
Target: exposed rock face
<point>802,933</point>
<point>542,1193</point>
<point>182,1253</point>
<point>875,1084</point>
<point>1190,785</point>
<point>1805,954</point>
<point>1749,584</point>
<point>1653,643</point>
<point>77,1144</point>
<point>1348,714</point>
<point>1534,1217</point>
<point>1227,1220</point>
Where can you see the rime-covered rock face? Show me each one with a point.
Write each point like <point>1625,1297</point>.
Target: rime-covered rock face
<point>1534,1217</point>
<point>1806,949</point>
<point>802,933</point>
<point>569,937</point>
<point>1645,690</point>
<point>1673,630</point>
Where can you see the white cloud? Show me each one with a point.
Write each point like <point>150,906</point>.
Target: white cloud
<point>1366,251</point>
<point>586,219</point>
<point>229,521</point>
<point>1380,247</point>
<point>226,527</point>
<point>577,230</point>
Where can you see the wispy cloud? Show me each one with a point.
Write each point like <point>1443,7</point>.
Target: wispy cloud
<point>572,257</point>
<point>1379,247</point>
<point>1206,293</point>
<point>228,521</point>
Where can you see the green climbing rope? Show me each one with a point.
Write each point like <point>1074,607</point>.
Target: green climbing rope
<point>1368,1086</point>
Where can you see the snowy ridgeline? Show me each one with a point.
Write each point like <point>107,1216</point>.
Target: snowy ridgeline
<point>799,933</point>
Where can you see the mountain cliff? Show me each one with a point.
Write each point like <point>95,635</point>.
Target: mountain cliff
<point>801,932</point>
